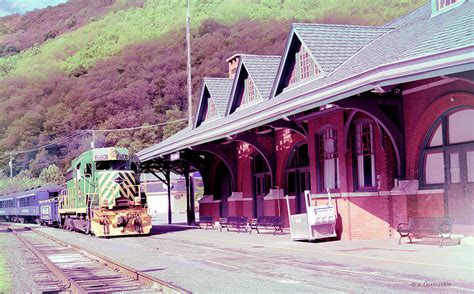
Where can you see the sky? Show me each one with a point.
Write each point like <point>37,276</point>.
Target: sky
<point>21,6</point>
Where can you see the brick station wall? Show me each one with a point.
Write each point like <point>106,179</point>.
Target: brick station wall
<point>362,215</point>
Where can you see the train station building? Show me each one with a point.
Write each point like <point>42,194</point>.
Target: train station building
<point>382,117</point>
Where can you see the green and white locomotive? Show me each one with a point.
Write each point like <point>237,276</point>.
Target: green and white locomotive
<point>104,196</point>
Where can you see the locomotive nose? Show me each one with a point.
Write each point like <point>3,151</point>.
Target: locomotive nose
<point>116,184</point>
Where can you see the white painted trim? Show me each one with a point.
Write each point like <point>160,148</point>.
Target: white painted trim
<point>275,194</point>
<point>430,191</point>
<point>24,196</point>
<point>208,199</point>
<point>241,199</point>
<point>427,86</point>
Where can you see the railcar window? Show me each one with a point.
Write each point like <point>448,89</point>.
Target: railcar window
<point>6,203</point>
<point>112,165</point>
<point>26,201</point>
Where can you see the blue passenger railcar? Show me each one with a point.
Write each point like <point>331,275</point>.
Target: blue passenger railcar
<point>49,211</point>
<point>24,206</point>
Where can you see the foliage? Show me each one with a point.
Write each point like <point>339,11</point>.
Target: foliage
<point>128,69</point>
<point>34,27</point>
<point>52,174</point>
<point>22,181</point>
<point>109,35</point>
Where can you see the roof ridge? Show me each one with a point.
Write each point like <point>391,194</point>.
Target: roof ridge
<point>338,25</point>
<point>257,55</point>
<point>212,78</point>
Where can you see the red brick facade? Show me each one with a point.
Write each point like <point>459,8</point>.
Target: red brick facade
<point>362,214</point>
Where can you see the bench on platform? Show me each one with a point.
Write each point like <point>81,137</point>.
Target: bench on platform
<point>207,220</point>
<point>427,226</point>
<point>236,222</point>
<point>267,222</point>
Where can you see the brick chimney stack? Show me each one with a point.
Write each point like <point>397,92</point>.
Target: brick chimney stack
<point>233,63</point>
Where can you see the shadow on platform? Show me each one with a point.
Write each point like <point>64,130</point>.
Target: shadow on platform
<point>166,228</point>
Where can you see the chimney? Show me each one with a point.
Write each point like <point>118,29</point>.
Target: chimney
<point>233,63</point>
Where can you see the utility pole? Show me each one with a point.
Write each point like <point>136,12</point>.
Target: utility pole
<point>93,140</point>
<point>188,47</point>
<point>10,163</point>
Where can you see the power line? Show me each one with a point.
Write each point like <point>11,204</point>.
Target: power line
<point>81,132</point>
<point>57,142</point>
<point>141,127</point>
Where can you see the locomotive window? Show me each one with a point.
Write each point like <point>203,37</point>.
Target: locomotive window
<point>134,167</point>
<point>112,165</point>
<point>53,195</point>
<point>69,175</point>
<point>88,171</point>
<point>78,171</point>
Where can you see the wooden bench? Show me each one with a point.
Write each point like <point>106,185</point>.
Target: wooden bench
<point>428,226</point>
<point>236,222</point>
<point>267,222</point>
<point>207,220</point>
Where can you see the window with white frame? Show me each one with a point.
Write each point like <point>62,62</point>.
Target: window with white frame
<point>439,6</point>
<point>250,92</point>
<point>365,155</point>
<point>303,67</point>
<point>450,144</point>
<point>211,109</point>
<point>328,160</point>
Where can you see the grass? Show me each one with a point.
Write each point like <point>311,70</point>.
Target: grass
<point>5,279</point>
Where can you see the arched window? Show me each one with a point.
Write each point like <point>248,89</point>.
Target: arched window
<point>449,143</point>
<point>364,152</point>
<point>328,164</point>
<point>297,175</point>
<point>262,181</point>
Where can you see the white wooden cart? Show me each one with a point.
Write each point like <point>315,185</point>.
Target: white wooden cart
<point>318,222</point>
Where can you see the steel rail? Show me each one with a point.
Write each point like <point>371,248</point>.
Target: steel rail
<point>152,282</point>
<point>70,284</point>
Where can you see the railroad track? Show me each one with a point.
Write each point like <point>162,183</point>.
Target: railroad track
<point>81,271</point>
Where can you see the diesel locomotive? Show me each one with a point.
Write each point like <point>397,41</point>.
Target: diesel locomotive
<point>103,195</point>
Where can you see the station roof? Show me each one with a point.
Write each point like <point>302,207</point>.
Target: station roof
<point>416,46</point>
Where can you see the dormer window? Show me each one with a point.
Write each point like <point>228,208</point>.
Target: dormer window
<point>211,110</point>
<point>250,92</point>
<point>303,67</point>
<point>440,6</point>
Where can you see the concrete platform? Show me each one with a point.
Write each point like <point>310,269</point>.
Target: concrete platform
<point>209,261</point>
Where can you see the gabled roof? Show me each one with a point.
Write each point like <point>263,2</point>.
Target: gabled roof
<point>329,45</point>
<point>332,44</point>
<point>220,89</point>
<point>262,70</point>
<point>413,50</point>
<point>219,92</point>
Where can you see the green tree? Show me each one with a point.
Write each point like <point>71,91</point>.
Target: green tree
<point>52,174</point>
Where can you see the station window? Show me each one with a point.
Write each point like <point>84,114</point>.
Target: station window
<point>450,144</point>
<point>250,92</point>
<point>303,66</point>
<point>328,160</point>
<point>365,155</point>
<point>439,6</point>
<point>211,109</point>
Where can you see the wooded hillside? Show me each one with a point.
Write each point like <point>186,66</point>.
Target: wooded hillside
<point>122,64</point>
